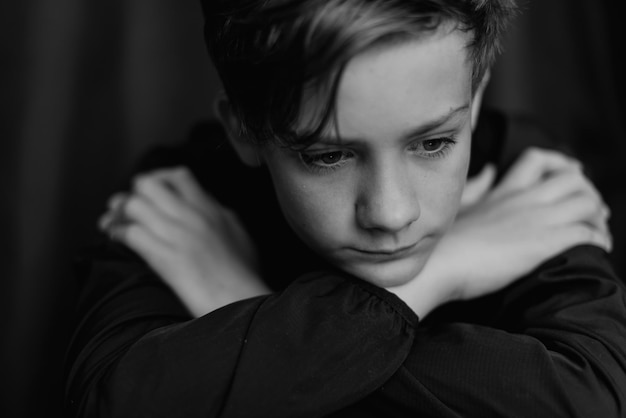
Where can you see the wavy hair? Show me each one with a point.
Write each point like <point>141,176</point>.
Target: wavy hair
<point>271,54</point>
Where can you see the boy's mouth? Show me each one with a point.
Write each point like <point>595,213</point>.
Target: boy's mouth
<point>385,254</point>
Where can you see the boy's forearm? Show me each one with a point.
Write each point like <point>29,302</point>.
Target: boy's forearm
<point>325,342</point>
<point>552,344</point>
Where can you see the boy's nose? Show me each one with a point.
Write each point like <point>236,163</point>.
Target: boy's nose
<point>388,201</point>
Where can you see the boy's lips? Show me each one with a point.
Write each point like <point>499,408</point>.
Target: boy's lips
<point>385,254</point>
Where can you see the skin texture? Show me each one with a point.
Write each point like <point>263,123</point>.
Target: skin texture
<point>390,187</point>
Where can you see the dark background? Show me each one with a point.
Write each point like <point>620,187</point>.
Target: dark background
<point>86,86</point>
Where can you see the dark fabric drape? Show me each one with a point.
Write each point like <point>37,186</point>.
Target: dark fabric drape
<point>87,86</point>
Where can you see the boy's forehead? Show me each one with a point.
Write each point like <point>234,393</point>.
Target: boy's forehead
<point>417,72</point>
<point>427,53</point>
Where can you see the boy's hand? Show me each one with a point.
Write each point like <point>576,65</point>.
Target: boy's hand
<point>197,246</point>
<point>543,206</point>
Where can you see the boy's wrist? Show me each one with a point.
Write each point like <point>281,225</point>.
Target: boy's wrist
<point>202,294</point>
<point>427,291</point>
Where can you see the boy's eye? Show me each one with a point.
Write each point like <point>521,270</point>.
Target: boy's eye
<point>433,148</point>
<point>325,160</point>
<point>330,158</point>
<point>433,145</point>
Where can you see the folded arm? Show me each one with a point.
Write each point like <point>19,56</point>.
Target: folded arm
<point>553,344</point>
<point>323,343</point>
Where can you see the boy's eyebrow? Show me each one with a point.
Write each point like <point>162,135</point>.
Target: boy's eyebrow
<point>436,123</point>
<point>412,133</point>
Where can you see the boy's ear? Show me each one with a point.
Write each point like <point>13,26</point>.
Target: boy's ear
<point>478,98</point>
<point>247,151</point>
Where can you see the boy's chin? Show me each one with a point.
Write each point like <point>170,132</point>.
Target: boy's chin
<point>392,274</point>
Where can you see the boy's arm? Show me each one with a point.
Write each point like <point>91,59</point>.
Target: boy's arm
<point>554,347</point>
<point>320,345</point>
<point>198,247</point>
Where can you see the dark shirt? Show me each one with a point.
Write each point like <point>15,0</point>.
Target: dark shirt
<point>327,344</point>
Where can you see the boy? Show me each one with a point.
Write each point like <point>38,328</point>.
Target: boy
<point>358,116</point>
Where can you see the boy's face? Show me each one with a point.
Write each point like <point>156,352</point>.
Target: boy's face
<point>376,201</point>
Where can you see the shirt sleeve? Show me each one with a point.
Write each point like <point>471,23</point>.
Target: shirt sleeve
<point>555,346</point>
<point>320,345</point>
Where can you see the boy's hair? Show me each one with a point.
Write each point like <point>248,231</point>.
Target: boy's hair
<point>270,54</point>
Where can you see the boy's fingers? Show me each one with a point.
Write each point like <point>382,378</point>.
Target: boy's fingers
<point>142,241</point>
<point>127,209</point>
<point>105,221</point>
<point>576,208</point>
<point>561,186</point>
<point>139,210</point>
<point>179,195</point>
<point>183,181</point>
<point>581,234</point>
<point>116,200</point>
<point>477,187</point>
<point>115,214</point>
<point>532,166</point>
<point>600,223</point>
<point>154,188</point>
